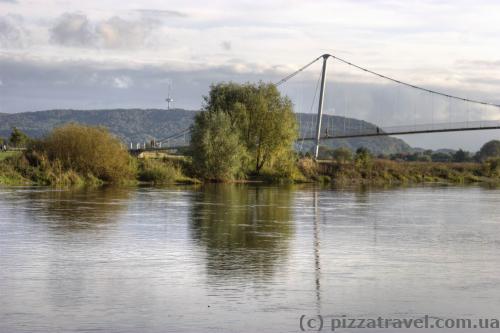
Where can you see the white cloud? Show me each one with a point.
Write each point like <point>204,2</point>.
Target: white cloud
<point>226,45</point>
<point>122,82</point>
<point>72,29</point>
<point>13,33</point>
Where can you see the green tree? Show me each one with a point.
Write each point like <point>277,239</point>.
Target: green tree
<point>217,151</point>
<point>363,161</point>
<point>461,156</point>
<point>18,138</point>
<point>342,155</point>
<point>441,157</point>
<point>489,149</point>
<point>262,118</point>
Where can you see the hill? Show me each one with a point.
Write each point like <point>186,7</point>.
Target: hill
<point>143,125</point>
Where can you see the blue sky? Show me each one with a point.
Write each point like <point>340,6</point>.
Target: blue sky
<point>108,53</point>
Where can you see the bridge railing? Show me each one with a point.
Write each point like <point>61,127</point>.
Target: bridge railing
<point>416,128</point>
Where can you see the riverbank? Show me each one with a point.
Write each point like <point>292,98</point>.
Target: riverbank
<point>387,172</point>
<point>16,170</point>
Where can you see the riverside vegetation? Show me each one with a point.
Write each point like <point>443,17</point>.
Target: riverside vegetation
<point>245,133</point>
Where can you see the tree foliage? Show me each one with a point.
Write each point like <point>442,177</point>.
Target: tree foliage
<point>342,155</point>
<point>261,117</point>
<point>489,149</point>
<point>18,138</point>
<point>217,151</point>
<point>461,156</point>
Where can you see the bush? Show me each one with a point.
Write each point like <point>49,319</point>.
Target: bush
<point>89,151</point>
<point>308,167</point>
<point>9,174</point>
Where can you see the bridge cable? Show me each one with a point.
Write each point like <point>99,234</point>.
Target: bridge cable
<point>412,85</point>
<point>288,77</point>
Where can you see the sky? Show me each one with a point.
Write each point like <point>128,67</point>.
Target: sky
<point>116,54</point>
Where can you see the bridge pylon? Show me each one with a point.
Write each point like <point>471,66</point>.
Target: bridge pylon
<point>320,104</point>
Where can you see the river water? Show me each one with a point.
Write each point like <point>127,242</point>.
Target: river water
<point>240,258</point>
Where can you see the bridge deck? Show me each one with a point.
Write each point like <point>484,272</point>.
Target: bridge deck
<point>415,129</point>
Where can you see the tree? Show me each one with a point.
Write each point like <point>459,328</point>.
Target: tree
<point>489,149</point>
<point>216,148</point>
<point>342,155</point>
<point>461,156</point>
<point>363,152</point>
<point>261,117</point>
<point>18,138</point>
<point>441,157</point>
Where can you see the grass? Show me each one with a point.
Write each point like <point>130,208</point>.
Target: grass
<point>386,172</point>
<point>7,154</point>
<point>162,171</point>
<point>16,168</point>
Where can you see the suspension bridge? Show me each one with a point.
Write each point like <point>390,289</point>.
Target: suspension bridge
<point>365,104</point>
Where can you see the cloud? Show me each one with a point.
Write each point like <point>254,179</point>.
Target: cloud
<point>163,14</point>
<point>77,30</point>
<point>122,82</point>
<point>72,29</point>
<point>226,45</point>
<point>120,33</point>
<point>12,32</point>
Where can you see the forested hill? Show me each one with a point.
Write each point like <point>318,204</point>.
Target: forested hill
<point>140,125</point>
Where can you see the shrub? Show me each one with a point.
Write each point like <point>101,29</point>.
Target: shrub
<point>89,151</point>
<point>308,167</point>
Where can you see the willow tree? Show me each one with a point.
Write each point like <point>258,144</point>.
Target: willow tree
<point>217,151</point>
<point>262,118</point>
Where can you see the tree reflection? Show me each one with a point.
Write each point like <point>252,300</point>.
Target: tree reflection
<point>78,209</point>
<point>244,229</point>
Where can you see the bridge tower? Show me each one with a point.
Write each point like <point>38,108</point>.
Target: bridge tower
<point>320,104</point>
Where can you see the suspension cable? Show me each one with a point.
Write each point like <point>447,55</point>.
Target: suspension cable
<point>412,85</point>
<point>288,77</point>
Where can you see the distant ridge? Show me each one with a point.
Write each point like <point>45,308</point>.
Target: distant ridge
<point>143,125</point>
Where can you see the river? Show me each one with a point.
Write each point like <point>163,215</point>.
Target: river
<point>242,258</point>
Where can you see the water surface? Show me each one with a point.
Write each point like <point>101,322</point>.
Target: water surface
<point>236,258</point>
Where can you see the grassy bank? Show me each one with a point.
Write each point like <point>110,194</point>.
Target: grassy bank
<point>16,169</point>
<point>7,154</point>
<point>20,169</point>
<point>386,172</point>
<point>76,155</point>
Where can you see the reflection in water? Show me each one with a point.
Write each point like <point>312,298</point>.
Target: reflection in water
<point>245,230</point>
<point>78,209</point>
<point>231,258</point>
<point>317,262</point>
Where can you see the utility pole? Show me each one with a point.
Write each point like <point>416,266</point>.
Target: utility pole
<point>320,104</point>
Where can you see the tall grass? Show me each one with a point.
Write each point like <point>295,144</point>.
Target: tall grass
<point>159,171</point>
